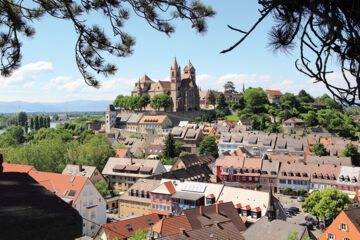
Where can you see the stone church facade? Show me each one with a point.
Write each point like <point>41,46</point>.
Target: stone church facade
<point>181,88</point>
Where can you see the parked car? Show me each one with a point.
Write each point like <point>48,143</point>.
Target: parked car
<point>300,199</point>
<point>295,209</point>
<point>292,212</point>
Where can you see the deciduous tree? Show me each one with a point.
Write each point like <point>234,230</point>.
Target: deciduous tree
<point>319,149</point>
<point>208,146</point>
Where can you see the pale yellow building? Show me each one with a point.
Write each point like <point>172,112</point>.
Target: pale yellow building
<point>136,200</point>
<point>90,172</point>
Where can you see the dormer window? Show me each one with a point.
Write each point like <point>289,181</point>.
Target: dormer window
<point>341,178</point>
<point>333,178</point>
<point>298,174</point>
<point>283,174</point>
<point>315,175</point>
<point>305,174</point>
<point>291,174</point>
<point>347,179</point>
<point>273,173</point>
<point>353,179</point>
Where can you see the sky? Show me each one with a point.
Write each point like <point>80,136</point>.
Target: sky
<point>48,71</point>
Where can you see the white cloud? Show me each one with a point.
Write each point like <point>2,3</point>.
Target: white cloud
<point>27,73</point>
<point>71,86</point>
<point>55,82</point>
<point>286,82</point>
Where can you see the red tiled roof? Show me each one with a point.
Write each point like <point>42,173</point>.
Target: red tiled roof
<point>257,209</point>
<point>153,119</point>
<point>247,207</point>
<point>60,183</point>
<point>10,167</point>
<point>274,92</point>
<point>170,187</point>
<point>172,225</point>
<point>120,153</point>
<point>118,229</point>
<point>238,205</point>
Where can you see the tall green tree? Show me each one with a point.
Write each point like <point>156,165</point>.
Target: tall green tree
<point>22,118</point>
<point>178,147</point>
<point>93,41</point>
<point>169,150</point>
<point>32,123</point>
<point>160,101</point>
<point>36,122</point>
<point>208,146</point>
<point>48,121</point>
<point>255,100</point>
<point>221,102</point>
<point>319,149</point>
<point>140,234</point>
<point>117,101</point>
<point>102,187</point>
<point>352,151</point>
<point>212,98</point>
<point>326,204</point>
<point>144,101</point>
<point>229,87</point>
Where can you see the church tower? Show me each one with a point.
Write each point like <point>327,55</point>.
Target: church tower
<point>189,70</point>
<point>175,82</point>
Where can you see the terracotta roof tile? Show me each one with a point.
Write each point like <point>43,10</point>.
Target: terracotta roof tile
<point>170,187</point>
<point>153,119</point>
<point>119,230</point>
<point>61,184</point>
<point>172,225</point>
<point>10,167</point>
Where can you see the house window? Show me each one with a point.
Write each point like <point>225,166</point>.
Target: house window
<point>331,236</point>
<point>271,180</point>
<point>343,226</point>
<point>160,197</point>
<point>167,198</point>
<point>154,197</point>
<point>346,238</point>
<point>283,181</point>
<point>250,178</point>
<point>289,181</point>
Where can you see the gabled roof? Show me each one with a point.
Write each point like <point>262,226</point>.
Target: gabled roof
<point>172,225</point>
<point>74,170</point>
<point>354,215</point>
<point>294,120</point>
<point>121,153</point>
<point>145,78</point>
<point>226,213</point>
<point>226,231</point>
<point>119,229</point>
<point>10,167</point>
<point>153,119</point>
<point>165,188</point>
<point>61,184</point>
<point>274,92</point>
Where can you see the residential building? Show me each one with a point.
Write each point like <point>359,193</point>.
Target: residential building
<point>245,124</point>
<point>250,204</point>
<point>200,173</point>
<point>192,160</point>
<point>112,202</point>
<point>135,146</point>
<point>239,171</point>
<point>294,175</point>
<point>293,125</point>
<point>346,226</point>
<point>11,167</point>
<point>181,88</point>
<point>155,148</point>
<point>80,193</point>
<point>339,161</point>
<point>171,226</point>
<point>90,172</point>
<point>161,198</point>
<point>323,176</point>
<point>208,131</point>
<point>206,216</point>
<point>269,174</point>
<point>232,97</point>
<point>136,200</point>
<point>154,124</point>
<point>348,180</point>
<point>93,125</point>
<point>126,228</point>
<point>132,123</point>
<point>204,100</point>
<point>274,96</point>
<point>30,211</point>
<point>122,173</point>
<point>226,230</point>
<point>294,146</point>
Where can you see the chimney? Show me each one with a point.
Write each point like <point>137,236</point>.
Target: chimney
<point>182,231</point>
<point>80,168</point>
<point>131,161</point>
<point>217,208</point>
<point>201,210</point>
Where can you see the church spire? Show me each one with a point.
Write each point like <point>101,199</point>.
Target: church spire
<point>175,65</point>
<point>243,90</point>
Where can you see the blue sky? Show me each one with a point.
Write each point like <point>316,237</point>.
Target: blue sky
<point>49,72</point>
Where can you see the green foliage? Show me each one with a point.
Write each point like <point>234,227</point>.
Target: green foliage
<point>178,147</point>
<point>102,187</point>
<point>289,101</point>
<point>208,146</point>
<point>301,192</point>
<point>169,150</point>
<point>51,133</point>
<point>287,191</point>
<point>319,149</point>
<point>326,204</point>
<point>257,185</point>
<point>229,87</point>
<point>294,236</point>
<point>221,103</point>
<point>139,234</point>
<point>352,152</point>
<point>212,98</point>
<point>255,101</point>
<point>95,151</point>
<point>311,119</point>
<point>305,97</point>
<point>160,101</point>
<point>137,137</point>
<point>22,118</point>
<point>232,118</point>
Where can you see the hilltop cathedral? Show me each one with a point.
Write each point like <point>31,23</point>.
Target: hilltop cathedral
<point>182,88</point>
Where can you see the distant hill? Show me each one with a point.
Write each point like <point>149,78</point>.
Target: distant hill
<point>70,106</point>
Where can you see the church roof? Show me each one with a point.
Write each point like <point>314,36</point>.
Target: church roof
<point>189,66</point>
<point>175,65</point>
<point>145,78</point>
<point>165,85</point>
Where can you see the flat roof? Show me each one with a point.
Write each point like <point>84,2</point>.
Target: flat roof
<point>187,196</point>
